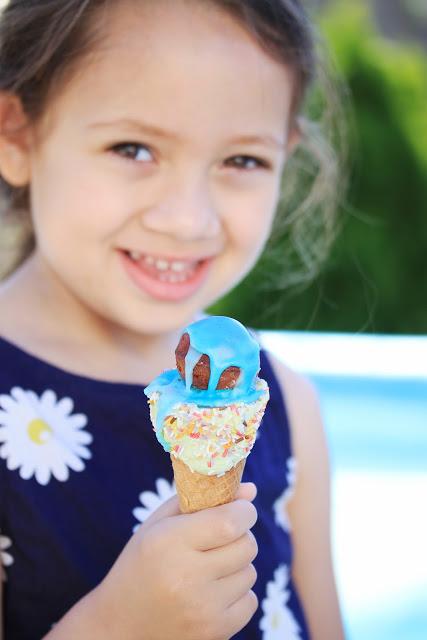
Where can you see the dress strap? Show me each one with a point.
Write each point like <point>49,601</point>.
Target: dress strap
<point>277,401</point>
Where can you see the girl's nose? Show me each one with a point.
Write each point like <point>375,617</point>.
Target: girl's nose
<point>186,212</point>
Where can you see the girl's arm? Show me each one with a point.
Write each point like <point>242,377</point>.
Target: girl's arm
<point>309,509</point>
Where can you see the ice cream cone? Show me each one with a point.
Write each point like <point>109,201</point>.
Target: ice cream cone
<point>206,412</point>
<point>197,491</point>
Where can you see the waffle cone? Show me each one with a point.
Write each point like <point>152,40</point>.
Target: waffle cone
<point>197,491</point>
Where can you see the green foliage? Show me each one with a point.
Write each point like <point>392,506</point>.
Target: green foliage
<point>376,277</point>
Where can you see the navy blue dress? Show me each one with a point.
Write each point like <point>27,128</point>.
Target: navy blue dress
<point>81,469</point>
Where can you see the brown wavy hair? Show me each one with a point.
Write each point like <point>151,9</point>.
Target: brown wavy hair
<point>42,42</point>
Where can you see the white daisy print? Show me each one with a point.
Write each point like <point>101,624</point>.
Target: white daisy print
<point>281,504</point>
<point>41,436</point>
<point>152,501</point>
<point>278,621</point>
<point>5,556</point>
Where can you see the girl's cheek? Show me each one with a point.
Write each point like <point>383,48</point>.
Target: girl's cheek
<point>254,211</point>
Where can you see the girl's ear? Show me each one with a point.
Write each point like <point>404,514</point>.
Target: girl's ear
<point>14,141</point>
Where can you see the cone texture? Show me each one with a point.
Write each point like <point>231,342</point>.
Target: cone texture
<point>197,491</point>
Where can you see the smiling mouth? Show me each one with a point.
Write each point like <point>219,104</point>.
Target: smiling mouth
<point>165,278</point>
<point>165,269</point>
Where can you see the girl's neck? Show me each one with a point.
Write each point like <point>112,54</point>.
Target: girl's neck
<point>44,317</point>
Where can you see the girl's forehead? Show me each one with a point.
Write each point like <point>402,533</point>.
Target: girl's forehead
<point>153,23</point>
<point>178,60</point>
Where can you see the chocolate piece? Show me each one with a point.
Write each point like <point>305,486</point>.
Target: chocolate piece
<point>180,353</point>
<point>202,370</point>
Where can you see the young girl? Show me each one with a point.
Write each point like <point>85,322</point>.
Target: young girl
<point>146,139</point>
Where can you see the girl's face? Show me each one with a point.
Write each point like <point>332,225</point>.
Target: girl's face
<point>156,170</point>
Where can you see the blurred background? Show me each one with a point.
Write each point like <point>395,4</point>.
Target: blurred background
<point>358,328</point>
<point>375,277</point>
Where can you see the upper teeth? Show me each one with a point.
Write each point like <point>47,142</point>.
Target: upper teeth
<point>179,266</point>
<point>162,264</point>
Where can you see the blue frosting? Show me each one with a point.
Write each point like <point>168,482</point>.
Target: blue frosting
<point>227,343</point>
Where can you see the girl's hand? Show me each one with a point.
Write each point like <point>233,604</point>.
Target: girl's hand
<point>185,576</point>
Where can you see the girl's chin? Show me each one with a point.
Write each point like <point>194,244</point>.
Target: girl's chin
<point>153,321</point>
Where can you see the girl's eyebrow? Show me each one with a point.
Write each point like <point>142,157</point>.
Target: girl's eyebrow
<point>153,130</point>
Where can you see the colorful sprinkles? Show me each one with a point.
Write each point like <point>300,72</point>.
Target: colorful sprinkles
<point>216,438</point>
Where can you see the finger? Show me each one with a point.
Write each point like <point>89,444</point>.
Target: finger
<point>232,588</point>
<point>224,561</point>
<point>246,491</point>
<point>216,527</point>
<point>240,613</point>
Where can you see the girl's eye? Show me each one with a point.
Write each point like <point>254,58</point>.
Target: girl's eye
<point>247,163</point>
<point>133,151</point>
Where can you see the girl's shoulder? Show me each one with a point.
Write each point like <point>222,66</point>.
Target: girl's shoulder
<point>298,393</point>
<point>301,396</point>
<point>303,409</point>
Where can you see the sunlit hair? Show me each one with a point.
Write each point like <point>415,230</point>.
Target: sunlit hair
<point>41,43</point>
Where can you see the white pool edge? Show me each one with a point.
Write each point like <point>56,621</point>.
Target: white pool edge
<point>348,354</point>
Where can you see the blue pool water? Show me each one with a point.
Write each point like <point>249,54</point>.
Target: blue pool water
<point>373,393</point>
<point>375,423</point>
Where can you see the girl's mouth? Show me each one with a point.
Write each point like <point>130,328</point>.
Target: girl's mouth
<point>169,279</point>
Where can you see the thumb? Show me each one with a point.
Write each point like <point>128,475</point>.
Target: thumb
<point>166,510</point>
